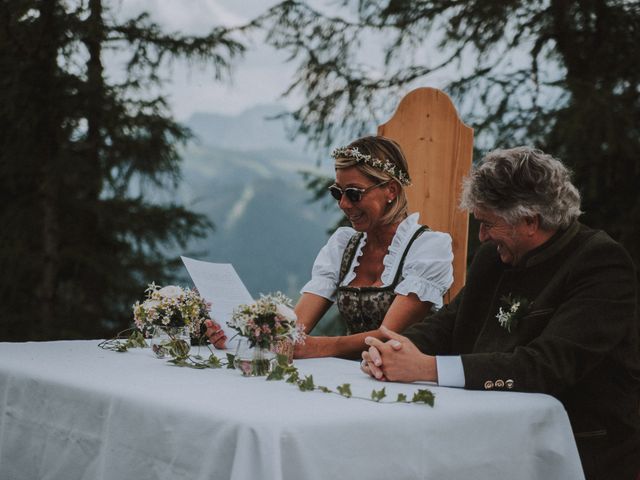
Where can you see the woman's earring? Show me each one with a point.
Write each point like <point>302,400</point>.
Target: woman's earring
<point>390,200</point>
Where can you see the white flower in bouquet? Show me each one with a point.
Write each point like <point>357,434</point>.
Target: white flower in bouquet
<point>286,312</point>
<point>151,304</point>
<point>171,291</point>
<point>171,306</point>
<point>267,321</point>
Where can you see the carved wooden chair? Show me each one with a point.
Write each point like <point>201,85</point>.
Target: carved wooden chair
<point>438,147</point>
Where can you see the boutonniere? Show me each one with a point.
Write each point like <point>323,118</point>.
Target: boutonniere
<point>514,309</point>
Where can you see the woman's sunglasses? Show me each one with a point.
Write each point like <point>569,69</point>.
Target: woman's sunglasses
<point>353,194</point>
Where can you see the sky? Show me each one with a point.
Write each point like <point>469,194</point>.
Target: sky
<point>258,78</point>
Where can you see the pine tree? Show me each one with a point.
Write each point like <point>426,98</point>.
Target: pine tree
<point>79,153</point>
<point>557,74</point>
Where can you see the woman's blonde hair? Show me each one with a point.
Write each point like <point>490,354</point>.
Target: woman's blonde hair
<point>390,155</point>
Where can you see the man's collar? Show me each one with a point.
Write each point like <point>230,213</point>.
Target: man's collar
<point>551,247</point>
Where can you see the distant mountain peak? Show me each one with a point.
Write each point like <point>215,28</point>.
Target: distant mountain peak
<point>252,129</point>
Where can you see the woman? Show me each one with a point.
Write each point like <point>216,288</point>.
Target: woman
<point>385,270</point>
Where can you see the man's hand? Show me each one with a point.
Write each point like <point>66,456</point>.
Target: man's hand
<point>372,359</point>
<point>215,334</point>
<point>397,359</point>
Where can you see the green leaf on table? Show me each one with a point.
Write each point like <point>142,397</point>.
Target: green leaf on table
<point>196,365</point>
<point>136,340</point>
<point>402,398</point>
<point>122,343</point>
<point>345,390</point>
<point>378,395</point>
<point>214,362</point>
<point>282,360</point>
<point>289,369</point>
<point>293,376</point>
<point>230,359</point>
<point>180,362</point>
<point>324,389</point>
<point>423,396</point>
<point>276,374</point>
<point>306,385</point>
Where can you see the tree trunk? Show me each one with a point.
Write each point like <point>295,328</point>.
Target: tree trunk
<point>47,150</point>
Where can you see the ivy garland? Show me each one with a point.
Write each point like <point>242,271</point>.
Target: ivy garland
<point>281,371</point>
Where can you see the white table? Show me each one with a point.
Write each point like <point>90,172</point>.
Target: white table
<point>70,411</point>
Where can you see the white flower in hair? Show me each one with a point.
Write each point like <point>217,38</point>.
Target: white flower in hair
<point>385,165</point>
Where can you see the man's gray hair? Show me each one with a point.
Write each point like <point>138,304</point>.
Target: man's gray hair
<point>523,182</point>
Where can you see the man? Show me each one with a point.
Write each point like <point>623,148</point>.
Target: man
<point>549,306</point>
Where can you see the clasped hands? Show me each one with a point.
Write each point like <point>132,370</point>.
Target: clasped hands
<point>397,359</point>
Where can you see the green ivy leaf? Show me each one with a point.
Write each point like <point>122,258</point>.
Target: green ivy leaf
<point>214,362</point>
<point>293,377</point>
<point>376,396</point>
<point>196,365</point>
<point>423,396</point>
<point>289,369</point>
<point>282,370</point>
<point>179,362</point>
<point>136,340</point>
<point>306,385</point>
<point>276,374</point>
<point>345,390</point>
<point>282,360</point>
<point>230,359</point>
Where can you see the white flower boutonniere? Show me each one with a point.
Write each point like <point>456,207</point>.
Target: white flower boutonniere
<point>515,309</point>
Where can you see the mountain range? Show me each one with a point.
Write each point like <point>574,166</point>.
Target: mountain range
<point>245,175</point>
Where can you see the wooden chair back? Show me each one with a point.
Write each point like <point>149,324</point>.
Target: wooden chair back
<point>438,147</point>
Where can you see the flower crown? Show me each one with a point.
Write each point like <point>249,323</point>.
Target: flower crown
<point>385,165</point>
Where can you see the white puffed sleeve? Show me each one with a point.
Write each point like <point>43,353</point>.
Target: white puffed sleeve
<point>427,270</point>
<point>326,268</point>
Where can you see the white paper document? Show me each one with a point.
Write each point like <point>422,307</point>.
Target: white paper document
<point>219,284</point>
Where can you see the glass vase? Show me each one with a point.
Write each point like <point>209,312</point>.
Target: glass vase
<point>284,347</point>
<point>253,361</point>
<point>167,342</point>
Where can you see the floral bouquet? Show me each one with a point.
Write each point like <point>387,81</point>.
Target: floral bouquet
<point>267,321</point>
<point>270,327</point>
<point>171,309</point>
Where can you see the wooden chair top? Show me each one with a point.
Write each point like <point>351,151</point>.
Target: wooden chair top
<point>439,148</point>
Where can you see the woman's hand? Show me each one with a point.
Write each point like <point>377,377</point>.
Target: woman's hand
<point>304,349</point>
<point>215,334</point>
<point>312,347</point>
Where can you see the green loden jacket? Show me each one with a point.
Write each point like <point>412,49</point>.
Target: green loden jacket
<point>577,339</point>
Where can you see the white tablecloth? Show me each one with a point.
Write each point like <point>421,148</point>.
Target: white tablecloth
<point>71,411</point>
